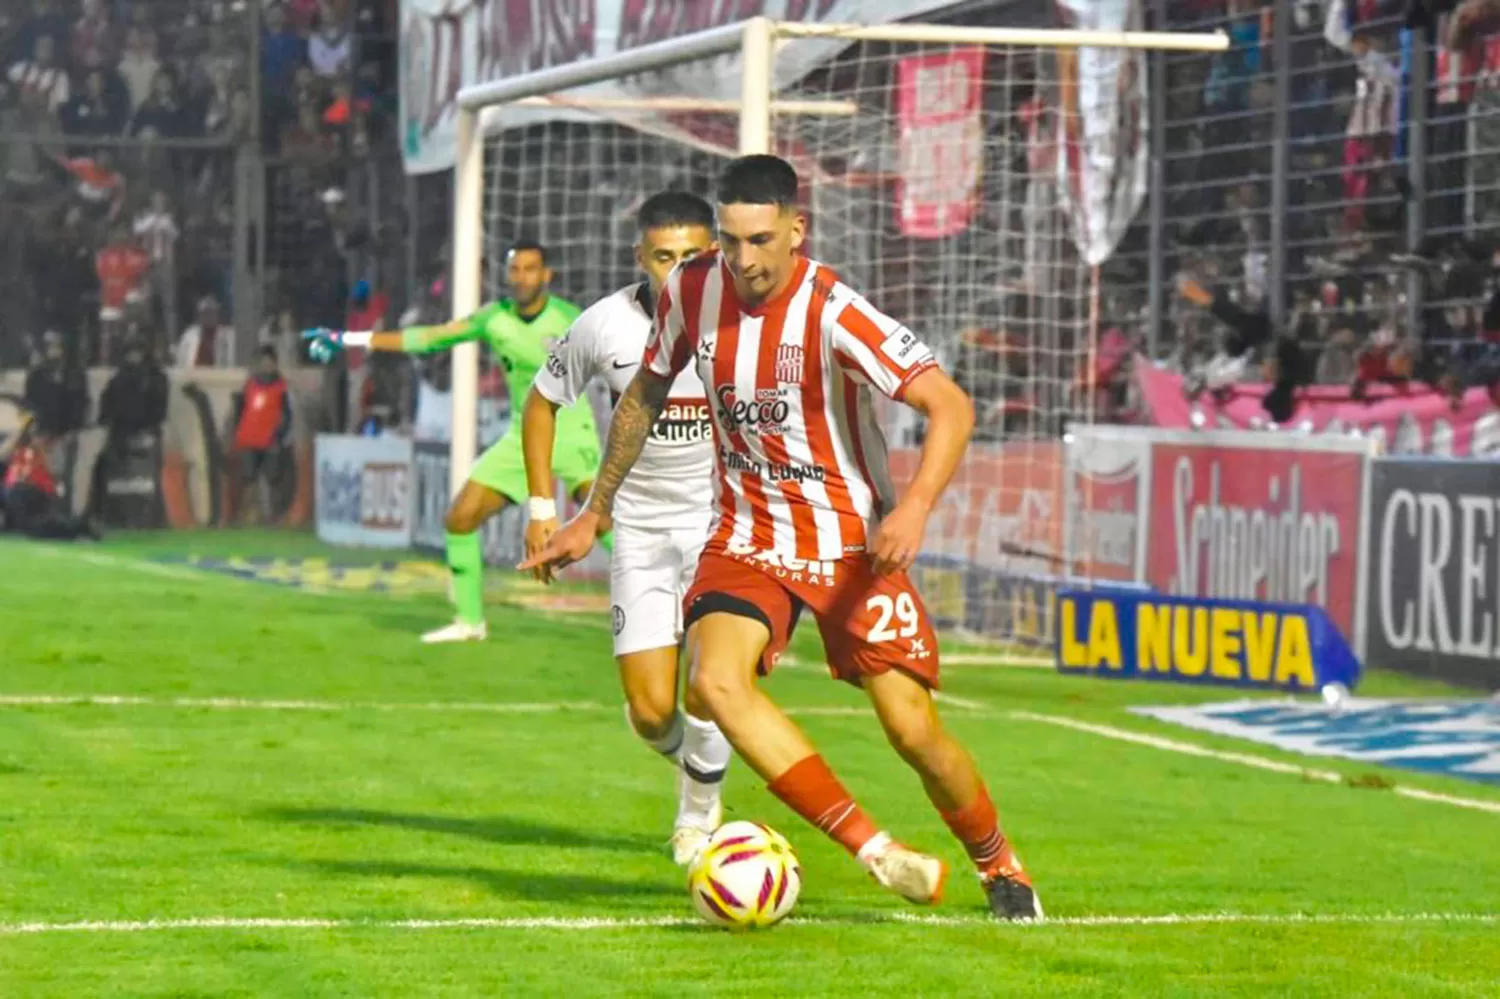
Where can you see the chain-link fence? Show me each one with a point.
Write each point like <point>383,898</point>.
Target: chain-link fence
<point>1336,170</point>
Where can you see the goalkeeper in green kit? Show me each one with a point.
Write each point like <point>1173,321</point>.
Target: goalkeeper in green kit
<point>520,330</point>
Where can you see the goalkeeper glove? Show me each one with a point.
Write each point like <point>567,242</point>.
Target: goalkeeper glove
<point>323,345</point>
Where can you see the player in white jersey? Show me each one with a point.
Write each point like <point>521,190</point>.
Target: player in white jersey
<point>661,513</point>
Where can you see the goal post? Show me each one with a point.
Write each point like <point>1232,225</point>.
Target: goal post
<point>971,249</point>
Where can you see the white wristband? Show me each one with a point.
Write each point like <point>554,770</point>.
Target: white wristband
<point>541,508</point>
<point>360,338</point>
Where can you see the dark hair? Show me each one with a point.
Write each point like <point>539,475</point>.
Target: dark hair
<point>268,350</point>
<point>674,208</point>
<point>758,180</point>
<point>528,245</point>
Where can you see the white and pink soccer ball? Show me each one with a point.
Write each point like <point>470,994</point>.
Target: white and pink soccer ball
<point>746,877</point>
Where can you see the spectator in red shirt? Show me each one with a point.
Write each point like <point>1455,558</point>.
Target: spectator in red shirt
<point>262,425</point>
<point>122,266</point>
<point>98,185</point>
<point>33,504</point>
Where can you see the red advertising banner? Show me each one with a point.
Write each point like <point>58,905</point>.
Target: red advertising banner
<point>1105,482</point>
<point>1004,508</point>
<point>939,100</point>
<point>1255,522</point>
<point>1415,420</point>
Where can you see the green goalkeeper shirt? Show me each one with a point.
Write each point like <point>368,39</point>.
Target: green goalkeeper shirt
<point>521,344</point>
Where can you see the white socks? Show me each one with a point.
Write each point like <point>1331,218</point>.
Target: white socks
<point>704,759</point>
<point>670,743</point>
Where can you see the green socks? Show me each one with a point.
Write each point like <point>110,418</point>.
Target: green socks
<point>466,563</point>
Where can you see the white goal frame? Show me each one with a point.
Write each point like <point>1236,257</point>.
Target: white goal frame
<point>755,40</point>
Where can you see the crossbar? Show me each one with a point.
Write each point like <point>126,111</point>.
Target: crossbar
<point>643,59</point>
<point>729,38</point>
<point>1063,38</point>
<point>833,109</point>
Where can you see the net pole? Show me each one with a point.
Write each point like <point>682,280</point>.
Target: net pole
<point>1089,414</point>
<point>757,51</point>
<point>468,203</point>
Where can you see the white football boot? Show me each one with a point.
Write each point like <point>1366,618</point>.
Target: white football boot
<point>914,876</point>
<point>691,834</point>
<point>458,631</point>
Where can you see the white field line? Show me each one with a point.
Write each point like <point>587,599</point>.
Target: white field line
<point>579,923</point>
<point>76,553</point>
<point>457,707</point>
<point>997,659</point>
<point>948,659</point>
<point>1244,759</point>
<point>959,702</point>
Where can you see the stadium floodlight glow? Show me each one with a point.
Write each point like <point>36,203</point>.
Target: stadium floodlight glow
<point>948,242</point>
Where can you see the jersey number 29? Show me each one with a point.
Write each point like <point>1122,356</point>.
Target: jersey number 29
<point>903,609</point>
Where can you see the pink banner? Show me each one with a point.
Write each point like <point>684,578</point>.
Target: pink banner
<point>1414,420</point>
<point>1256,523</point>
<point>941,137</point>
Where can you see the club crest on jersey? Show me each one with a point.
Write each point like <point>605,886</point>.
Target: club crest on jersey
<point>789,364</point>
<point>788,567</point>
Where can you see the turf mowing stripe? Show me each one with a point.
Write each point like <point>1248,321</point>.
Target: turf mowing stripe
<point>475,707</point>
<point>1244,759</point>
<point>577,923</point>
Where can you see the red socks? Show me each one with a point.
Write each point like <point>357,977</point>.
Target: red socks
<point>978,828</point>
<point>811,790</point>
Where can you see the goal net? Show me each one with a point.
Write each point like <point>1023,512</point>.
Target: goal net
<point>936,180</point>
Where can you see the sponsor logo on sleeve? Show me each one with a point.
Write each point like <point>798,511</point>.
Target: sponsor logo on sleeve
<point>902,347</point>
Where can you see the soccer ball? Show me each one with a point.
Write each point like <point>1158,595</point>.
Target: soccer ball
<point>746,877</point>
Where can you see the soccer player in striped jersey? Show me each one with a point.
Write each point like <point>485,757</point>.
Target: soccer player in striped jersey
<point>805,516</point>
<point>661,514</point>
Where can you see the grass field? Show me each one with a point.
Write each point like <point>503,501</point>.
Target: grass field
<point>291,797</point>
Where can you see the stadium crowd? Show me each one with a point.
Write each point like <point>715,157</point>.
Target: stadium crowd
<point>1350,197</point>
<point>121,123</point>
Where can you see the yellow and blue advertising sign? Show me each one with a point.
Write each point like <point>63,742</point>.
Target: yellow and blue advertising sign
<point>1241,643</point>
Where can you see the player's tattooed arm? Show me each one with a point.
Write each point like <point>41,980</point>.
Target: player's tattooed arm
<point>636,413</point>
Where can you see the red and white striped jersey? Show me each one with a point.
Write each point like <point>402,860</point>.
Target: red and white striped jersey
<point>801,464</point>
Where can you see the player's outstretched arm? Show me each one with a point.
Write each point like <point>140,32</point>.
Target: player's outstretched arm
<point>635,414</point>
<point>950,422</point>
<point>323,344</point>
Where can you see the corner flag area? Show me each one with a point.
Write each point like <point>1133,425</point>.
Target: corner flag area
<point>229,768</point>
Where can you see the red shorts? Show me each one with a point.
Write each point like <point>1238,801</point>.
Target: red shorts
<point>869,623</point>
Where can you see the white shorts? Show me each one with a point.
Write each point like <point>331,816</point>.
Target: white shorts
<point>649,574</point>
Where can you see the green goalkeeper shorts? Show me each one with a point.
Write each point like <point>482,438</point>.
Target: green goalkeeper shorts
<point>502,467</point>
